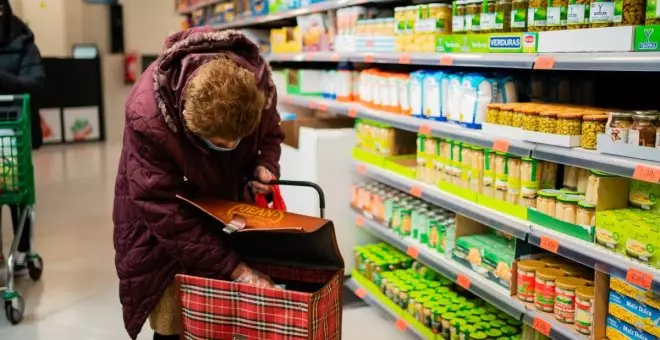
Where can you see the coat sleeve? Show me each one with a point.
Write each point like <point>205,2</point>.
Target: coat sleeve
<point>270,147</point>
<point>31,76</point>
<point>154,181</point>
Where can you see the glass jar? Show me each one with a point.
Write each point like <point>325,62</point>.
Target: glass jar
<point>633,13</point>
<point>506,116</point>
<point>517,117</point>
<point>592,125</point>
<point>643,131</point>
<point>571,177</point>
<point>602,13</point>
<point>578,14</point>
<point>530,120</point>
<point>586,214</point>
<point>489,173</point>
<point>548,175</point>
<point>585,298</point>
<point>477,168</point>
<point>513,179</point>
<point>501,173</point>
<point>487,22</point>
<point>537,15</point>
<point>556,15</point>
<point>591,196</point>
<point>445,159</point>
<point>458,17</point>
<point>519,15</point>
<point>526,273</point>
<point>473,16</point>
<point>567,208</point>
<point>466,161</point>
<point>544,288</point>
<point>441,15</point>
<point>502,16</point>
<point>565,298</point>
<point>546,202</point>
<point>619,127</point>
<point>530,173</point>
<point>548,121</point>
<point>569,123</point>
<point>583,180</point>
<point>492,111</point>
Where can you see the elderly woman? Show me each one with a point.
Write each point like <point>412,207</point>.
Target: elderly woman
<point>202,122</point>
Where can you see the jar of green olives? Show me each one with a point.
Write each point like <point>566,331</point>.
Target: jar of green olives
<point>517,116</point>
<point>492,111</point>
<point>569,123</point>
<point>473,16</point>
<point>530,120</point>
<point>548,121</point>
<point>519,15</point>
<point>505,116</point>
<point>537,15</point>
<point>592,125</point>
<point>502,16</point>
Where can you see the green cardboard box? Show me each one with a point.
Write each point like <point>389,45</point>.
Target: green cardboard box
<point>526,42</point>
<point>633,233</point>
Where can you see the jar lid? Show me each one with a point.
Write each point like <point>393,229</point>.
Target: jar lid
<point>500,153</point>
<point>601,174</point>
<point>548,113</point>
<point>596,117</point>
<point>530,265</point>
<point>527,159</point>
<point>494,105</point>
<point>585,205</point>
<point>567,191</point>
<point>569,199</point>
<point>623,115</point>
<point>549,193</point>
<point>570,283</point>
<point>645,117</point>
<point>529,111</point>
<point>573,271</point>
<point>569,114</point>
<point>585,292</point>
<point>553,262</point>
<point>549,273</point>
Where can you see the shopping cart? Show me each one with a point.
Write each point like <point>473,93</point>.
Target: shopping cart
<point>17,189</point>
<point>297,251</point>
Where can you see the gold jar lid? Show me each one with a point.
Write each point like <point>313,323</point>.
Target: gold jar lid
<point>549,274</point>
<point>570,283</point>
<point>552,262</point>
<point>585,292</point>
<point>569,114</point>
<point>595,117</point>
<point>530,265</point>
<point>548,113</point>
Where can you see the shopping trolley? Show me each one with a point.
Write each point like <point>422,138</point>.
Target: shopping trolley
<point>297,251</point>
<point>17,189</point>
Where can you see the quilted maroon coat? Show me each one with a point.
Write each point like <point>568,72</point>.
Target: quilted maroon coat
<point>156,236</point>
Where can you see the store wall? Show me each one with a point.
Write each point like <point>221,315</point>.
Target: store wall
<point>149,23</point>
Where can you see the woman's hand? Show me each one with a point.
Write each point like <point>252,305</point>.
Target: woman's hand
<point>244,274</point>
<point>263,176</point>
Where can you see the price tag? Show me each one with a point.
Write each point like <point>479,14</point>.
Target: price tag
<point>352,112</point>
<point>501,145</point>
<point>542,326</point>
<point>639,278</point>
<point>313,105</point>
<point>544,63</point>
<point>359,221</point>
<point>463,281</point>
<point>550,244</point>
<point>647,173</point>
<point>404,58</point>
<point>334,57</point>
<point>369,58</point>
<point>401,325</point>
<point>425,130</point>
<point>446,60</point>
<point>413,252</point>
<point>323,107</point>
<point>416,191</point>
<point>308,56</point>
<point>361,293</point>
<point>361,169</point>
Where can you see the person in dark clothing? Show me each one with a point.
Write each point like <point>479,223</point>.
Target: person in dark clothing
<point>21,72</point>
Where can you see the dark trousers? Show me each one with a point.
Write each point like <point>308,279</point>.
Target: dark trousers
<point>165,337</point>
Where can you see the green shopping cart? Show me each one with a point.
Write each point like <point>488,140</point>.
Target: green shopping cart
<point>17,189</point>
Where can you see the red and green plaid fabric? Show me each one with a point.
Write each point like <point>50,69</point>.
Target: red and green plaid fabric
<point>216,309</point>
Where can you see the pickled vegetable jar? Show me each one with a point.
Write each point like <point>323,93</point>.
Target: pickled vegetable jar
<point>548,121</point>
<point>546,202</point>
<point>556,15</point>
<point>632,13</point>
<point>518,116</point>
<point>473,16</point>
<point>506,116</point>
<point>584,309</point>
<point>513,176</point>
<point>502,16</point>
<point>548,175</point>
<point>519,15</point>
<point>489,173</point>
<point>537,15</point>
<point>571,177</point>
<point>619,127</point>
<point>487,21</point>
<point>492,111</point>
<point>586,214</point>
<point>476,168</point>
<point>643,130</point>
<point>565,298</point>
<point>544,288</point>
<point>530,173</point>
<point>578,14</point>
<point>583,180</point>
<point>567,208</point>
<point>602,13</point>
<point>458,18</point>
<point>569,123</point>
<point>530,120</point>
<point>592,125</point>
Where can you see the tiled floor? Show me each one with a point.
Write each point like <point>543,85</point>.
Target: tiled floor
<point>77,296</point>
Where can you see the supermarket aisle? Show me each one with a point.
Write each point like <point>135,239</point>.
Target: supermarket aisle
<point>77,297</point>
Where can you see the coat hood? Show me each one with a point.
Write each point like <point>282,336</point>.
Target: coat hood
<point>184,52</point>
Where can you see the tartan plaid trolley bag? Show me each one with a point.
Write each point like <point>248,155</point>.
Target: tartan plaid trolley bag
<point>297,251</point>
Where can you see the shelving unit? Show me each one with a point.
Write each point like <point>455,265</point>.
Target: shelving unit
<point>198,6</point>
<point>621,166</point>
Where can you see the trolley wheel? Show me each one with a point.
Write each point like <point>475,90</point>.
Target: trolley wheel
<point>35,267</point>
<point>15,309</point>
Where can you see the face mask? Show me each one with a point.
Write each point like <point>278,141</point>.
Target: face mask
<point>219,148</point>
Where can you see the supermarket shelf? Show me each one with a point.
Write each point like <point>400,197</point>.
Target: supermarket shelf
<point>558,330</point>
<point>627,61</point>
<point>579,157</point>
<point>191,9</point>
<point>479,285</point>
<point>438,129</point>
<point>591,255</point>
<point>372,301</point>
<point>499,60</point>
<point>479,213</point>
<point>319,7</point>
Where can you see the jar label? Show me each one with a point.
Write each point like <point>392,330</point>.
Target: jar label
<point>578,14</point>
<point>525,285</point>
<point>499,20</point>
<point>652,9</point>
<point>544,295</point>
<point>468,22</point>
<point>476,23</point>
<point>584,316</point>
<point>617,17</point>
<point>618,135</point>
<point>518,18</point>
<point>633,137</point>
<point>487,21</point>
<point>536,17</point>
<point>564,305</point>
<point>601,12</point>
<point>458,23</point>
<point>556,16</point>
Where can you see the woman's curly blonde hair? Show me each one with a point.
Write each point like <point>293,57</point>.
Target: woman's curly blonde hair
<point>223,101</point>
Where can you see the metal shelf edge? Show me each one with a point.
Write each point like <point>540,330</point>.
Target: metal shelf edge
<point>558,330</point>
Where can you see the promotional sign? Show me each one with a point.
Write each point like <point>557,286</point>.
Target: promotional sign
<point>488,43</point>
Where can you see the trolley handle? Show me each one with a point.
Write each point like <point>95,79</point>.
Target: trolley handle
<point>304,184</point>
